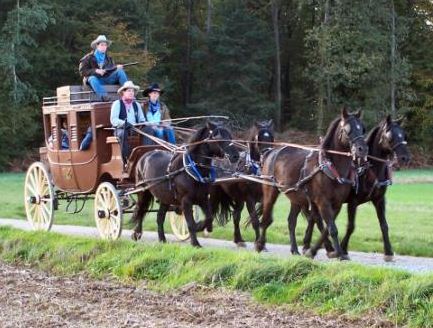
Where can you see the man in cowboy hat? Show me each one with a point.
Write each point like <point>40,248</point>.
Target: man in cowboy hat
<point>93,68</point>
<point>157,113</point>
<point>124,113</point>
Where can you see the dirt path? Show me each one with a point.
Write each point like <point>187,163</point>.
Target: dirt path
<point>409,263</point>
<point>31,298</point>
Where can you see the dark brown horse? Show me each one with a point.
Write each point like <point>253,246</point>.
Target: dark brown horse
<point>319,180</point>
<point>385,141</point>
<point>181,179</point>
<point>228,198</point>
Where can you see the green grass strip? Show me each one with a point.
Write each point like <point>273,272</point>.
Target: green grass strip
<point>296,282</point>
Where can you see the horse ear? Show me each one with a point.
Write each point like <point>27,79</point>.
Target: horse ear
<point>211,126</point>
<point>387,121</point>
<point>399,120</point>
<point>344,113</point>
<point>358,114</point>
<point>270,123</point>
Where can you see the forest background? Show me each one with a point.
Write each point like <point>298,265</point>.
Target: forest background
<point>296,61</point>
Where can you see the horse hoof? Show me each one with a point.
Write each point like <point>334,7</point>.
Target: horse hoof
<point>332,255</point>
<point>309,254</point>
<point>305,250</point>
<point>136,236</point>
<point>295,253</point>
<point>259,247</point>
<point>241,244</point>
<point>206,233</point>
<point>344,257</point>
<point>388,258</point>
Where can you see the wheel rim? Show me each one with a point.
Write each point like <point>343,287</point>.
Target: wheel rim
<point>39,197</point>
<point>179,225</point>
<point>108,212</point>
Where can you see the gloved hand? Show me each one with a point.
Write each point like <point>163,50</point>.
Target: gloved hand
<point>128,125</point>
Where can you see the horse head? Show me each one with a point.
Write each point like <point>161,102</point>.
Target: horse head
<point>351,132</point>
<point>392,139</point>
<point>262,138</point>
<point>221,144</point>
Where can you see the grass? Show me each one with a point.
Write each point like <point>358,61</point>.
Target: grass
<point>409,213</point>
<point>297,283</point>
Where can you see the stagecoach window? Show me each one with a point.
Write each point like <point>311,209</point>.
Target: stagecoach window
<point>84,130</point>
<point>48,130</point>
<point>63,136</point>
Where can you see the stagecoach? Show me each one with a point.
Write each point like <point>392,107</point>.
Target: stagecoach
<point>75,176</point>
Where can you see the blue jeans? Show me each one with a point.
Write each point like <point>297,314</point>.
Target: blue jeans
<point>97,82</point>
<point>164,133</point>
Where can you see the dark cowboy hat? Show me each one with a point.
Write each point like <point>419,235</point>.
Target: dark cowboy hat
<point>152,87</point>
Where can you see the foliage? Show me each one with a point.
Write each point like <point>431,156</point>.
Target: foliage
<point>218,56</point>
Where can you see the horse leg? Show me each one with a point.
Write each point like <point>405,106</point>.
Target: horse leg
<point>189,217</point>
<point>251,207</point>
<point>270,195</point>
<point>160,218</point>
<point>138,216</point>
<point>237,237</point>
<point>329,214</point>
<point>351,213</point>
<point>379,204</point>
<point>308,231</point>
<point>330,252</point>
<point>292,220</point>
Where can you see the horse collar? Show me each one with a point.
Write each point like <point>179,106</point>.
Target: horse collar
<point>328,168</point>
<point>193,171</point>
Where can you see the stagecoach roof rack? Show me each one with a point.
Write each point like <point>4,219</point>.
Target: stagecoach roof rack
<point>79,94</point>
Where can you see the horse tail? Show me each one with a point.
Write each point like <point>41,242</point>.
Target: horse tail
<point>259,213</point>
<point>221,205</point>
<point>144,203</point>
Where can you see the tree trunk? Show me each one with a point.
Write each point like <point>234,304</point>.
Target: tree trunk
<point>147,27</point>
<point>187,69</point>
<point>324,87</point>
<point>13,48</point>
<point>209,17</point>
<point>393,50</point>
<point>275,22</point>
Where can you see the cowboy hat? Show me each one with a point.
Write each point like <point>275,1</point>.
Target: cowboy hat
<point>98,40</point>
<point>152,87</point>
<point>128,85</point>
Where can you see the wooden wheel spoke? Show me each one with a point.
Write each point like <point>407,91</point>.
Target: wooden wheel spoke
<point>31,190</point>
<point>32,183</point>
<point>46,212</point>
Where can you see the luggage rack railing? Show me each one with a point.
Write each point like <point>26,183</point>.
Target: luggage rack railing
<point>53,101</point>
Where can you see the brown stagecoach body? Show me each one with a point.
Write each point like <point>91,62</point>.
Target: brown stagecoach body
<point>81,171</point>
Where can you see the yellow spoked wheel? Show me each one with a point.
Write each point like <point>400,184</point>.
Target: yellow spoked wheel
<point>39,197</point>
<point>108,211</point>
<point>178,223</point>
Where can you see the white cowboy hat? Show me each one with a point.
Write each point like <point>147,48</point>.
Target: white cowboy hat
<point>99,39</point>
<point>128,85</point>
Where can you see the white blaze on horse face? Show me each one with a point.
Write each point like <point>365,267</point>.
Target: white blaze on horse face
<point>266,134</point>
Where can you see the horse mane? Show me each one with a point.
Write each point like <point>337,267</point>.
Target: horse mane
<point>199,135</point>
<point>251,133</point>
<point>373,134</point>
<point>328,138</point>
